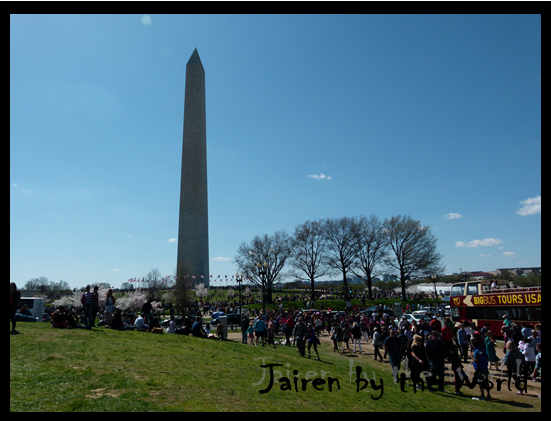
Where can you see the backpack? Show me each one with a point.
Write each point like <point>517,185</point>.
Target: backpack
<point>259,326</point>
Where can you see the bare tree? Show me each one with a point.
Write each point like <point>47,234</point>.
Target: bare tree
<point>42,284</point>
<point>308,257</point>
<point>341,244</point>
<point>371,248</point>
<point>180,292</point>
<point>414,249</point>
<point>156,283</point>
<point>263,259</point>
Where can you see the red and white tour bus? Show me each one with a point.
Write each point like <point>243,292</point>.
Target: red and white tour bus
<point>478,302</point>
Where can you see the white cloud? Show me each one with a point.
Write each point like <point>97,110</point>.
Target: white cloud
<point>172,240</point>
<point>319,177</point>
<point>510,254</point>
<point>531,206</point>
<point>19,188</point>
<point>116,270</point>
<point>479,243</point>
<point>485,255</point>
<point>453,216</point>
<point>146,20</point>
<point>221,259</point>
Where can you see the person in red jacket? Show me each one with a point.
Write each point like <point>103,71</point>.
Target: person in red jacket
<point>435,324</point>
<point>447,338</point>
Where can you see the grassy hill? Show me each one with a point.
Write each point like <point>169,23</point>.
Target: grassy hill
<point>104,370</point>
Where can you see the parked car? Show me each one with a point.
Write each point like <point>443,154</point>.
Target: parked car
<point>35,305</point>
<point>233,319</point>
<point>179,320</point>
<point>427,311</point>
<point>411,317</point>
<point>216,314</point>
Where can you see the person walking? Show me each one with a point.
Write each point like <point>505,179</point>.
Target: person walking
<point>259,329</point>
<point>357,336</point>
<point>392,348</point>
<point>300,334</point>
<point>436,354</point>
<point>480,364</point>
<point>377,343</point>
<point>15,298</point>
<point>312,340</point>
<point>491,349</point>
<point>244,327</point>
<point>463,342</point>
<point>514,362</point>
<point>419,360</point>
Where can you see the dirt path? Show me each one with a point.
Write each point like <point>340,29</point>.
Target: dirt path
<point>534,388</point>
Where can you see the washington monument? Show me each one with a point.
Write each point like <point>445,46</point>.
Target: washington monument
<point>193,230</point>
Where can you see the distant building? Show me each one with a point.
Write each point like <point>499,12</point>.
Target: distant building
<point>520,271</point>
<point>388,278</point>
<point>481,275</point>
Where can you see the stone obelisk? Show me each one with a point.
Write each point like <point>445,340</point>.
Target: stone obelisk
<point>193,231</point>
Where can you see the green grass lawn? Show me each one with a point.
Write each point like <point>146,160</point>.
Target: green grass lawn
<point>104,370</point>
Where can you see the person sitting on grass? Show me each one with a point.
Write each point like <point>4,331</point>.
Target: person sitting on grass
<point>72,320</point>
<point>139,324</point>
<point>58,318</point>
<point>154,321</point>
<point>172,325</point>
<point>197,328</point>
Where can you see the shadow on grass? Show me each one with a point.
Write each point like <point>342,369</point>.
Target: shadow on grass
<point>494,400</point>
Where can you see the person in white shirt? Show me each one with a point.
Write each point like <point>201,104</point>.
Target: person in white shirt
<point>171,326</point>
<point>140,323</point>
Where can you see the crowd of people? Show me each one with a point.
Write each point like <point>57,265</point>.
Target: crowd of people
<point>422,347</point>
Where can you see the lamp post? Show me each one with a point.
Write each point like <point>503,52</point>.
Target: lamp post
<point>434,279</point>
<point>239,280</point>
<point>262,272</point>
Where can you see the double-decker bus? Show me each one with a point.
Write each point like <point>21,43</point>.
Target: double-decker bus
<point>478,302</point>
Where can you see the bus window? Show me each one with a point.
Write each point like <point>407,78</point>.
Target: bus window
<point>474,313</point>
<point>458,290</point>
<point>519,313</point>
<point>502,312</point>
<point>472,288</point>
<point>534,313</point>
<point>490,313</point>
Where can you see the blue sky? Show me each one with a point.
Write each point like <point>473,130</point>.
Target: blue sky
<point>436,117</point>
